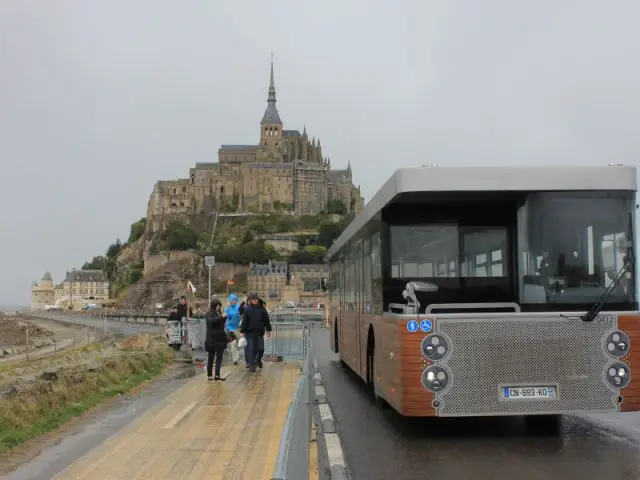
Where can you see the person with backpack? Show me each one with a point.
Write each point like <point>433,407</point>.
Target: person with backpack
<point>255,323</point>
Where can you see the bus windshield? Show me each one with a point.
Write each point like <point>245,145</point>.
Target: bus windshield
<point>572,244</point>
<point>544,250</point>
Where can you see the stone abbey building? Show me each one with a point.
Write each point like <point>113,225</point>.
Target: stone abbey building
<point>285,172</point>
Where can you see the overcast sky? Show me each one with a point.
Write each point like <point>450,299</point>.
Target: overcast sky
<point>99,99</point>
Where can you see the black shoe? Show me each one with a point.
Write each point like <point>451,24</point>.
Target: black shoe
<point>218,378</point>
<point>259,363</point>
<point>235,363</point>
<point>252,368</point>
<point>248,366</point>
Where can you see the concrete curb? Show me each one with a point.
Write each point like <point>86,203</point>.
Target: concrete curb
<point>335,454</point>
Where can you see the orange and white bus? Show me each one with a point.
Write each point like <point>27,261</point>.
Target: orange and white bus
<point>474,291</point>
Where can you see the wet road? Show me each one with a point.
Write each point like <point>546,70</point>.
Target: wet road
<point>380,444</point>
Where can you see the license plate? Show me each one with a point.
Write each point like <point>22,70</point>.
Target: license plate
<point>529,392</point>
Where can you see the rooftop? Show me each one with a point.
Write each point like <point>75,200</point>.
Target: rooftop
<point>86,276</point>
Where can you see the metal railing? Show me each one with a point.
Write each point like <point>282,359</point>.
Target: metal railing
<point>293,456</point>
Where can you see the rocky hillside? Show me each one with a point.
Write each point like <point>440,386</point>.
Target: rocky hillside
<point>236,242</point>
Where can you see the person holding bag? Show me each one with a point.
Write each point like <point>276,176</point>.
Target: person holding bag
<point>215,340</point>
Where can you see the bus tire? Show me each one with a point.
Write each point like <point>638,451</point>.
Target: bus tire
<point>371,370</point>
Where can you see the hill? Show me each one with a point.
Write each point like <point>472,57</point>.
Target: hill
<point>153,266</point>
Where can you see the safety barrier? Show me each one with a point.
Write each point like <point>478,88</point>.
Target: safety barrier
<point>293,455</point>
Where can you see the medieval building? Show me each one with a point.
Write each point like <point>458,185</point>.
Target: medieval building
<point>284,172</point>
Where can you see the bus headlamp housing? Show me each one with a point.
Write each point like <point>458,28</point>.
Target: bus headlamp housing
<point>435,378</point>
<point>618,375</point>
<point>434,347</point>
<point>617,344</point>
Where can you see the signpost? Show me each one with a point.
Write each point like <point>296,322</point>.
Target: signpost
<point>209,262</point>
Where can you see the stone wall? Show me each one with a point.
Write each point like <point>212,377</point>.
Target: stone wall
<point>154,262</point>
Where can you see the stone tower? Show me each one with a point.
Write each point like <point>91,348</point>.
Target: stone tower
<point>271,125</point>
<point>43,294</point>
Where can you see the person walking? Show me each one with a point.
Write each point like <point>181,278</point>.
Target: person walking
<point>255,323</point>
<point>216,339</point>
<point>246,343</point>
<point>232,326</point>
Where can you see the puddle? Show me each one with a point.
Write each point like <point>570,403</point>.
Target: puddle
<point>187,372</point>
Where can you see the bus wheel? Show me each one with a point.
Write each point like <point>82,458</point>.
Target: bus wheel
<point>371,371</point>
<point>543,424</point>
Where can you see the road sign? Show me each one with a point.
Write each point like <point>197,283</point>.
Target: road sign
<point>412,326</point>
<point>210,261</point>
<point>425,325</point>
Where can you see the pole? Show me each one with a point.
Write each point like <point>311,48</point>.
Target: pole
<point>186,328</point>
<point>209,297</point>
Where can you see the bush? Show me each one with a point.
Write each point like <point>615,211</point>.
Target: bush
<point>137,230</point>
<point>336,207</point>
<point>310,255</point>
<point>328,232</point>
<point>254,251</point>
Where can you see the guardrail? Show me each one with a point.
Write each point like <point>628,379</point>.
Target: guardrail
<point>286,342</point>
<point>293,455</point>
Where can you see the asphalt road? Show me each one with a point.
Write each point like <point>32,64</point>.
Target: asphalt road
<point>380,444</point>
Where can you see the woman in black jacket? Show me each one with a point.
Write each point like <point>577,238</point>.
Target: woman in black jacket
<point>216,339</point>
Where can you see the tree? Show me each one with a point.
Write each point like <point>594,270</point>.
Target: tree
<point>114,249</point>
<point>178,236</point>
<point>309,255</point>
<point>96,263</point>
<point>137,230</point>
<point>328,231</point>
<point>337,207</point>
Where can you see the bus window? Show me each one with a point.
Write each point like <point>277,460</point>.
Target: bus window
<point>447,251</point>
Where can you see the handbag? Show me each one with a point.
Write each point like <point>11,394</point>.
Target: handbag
<point>231,337</point>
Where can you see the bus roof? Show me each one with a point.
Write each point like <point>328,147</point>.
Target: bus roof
<point>490,179</point>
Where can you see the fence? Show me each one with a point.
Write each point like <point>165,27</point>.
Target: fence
<point>293,455</point>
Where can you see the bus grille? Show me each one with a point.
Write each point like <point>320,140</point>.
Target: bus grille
<point>488,354</point>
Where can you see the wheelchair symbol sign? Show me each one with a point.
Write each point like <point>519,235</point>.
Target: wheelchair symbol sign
<point>426,326</point>
<point>412,326</point>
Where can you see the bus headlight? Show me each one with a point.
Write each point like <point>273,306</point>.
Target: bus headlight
<point>434,347</point>
<point>618,375</point>
<point>617,344</point>
<point>435,378</point>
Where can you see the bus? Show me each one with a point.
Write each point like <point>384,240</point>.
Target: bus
<point>486,291</point>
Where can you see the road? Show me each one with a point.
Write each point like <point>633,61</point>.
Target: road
<point>61,451</point>
<point>381,444</point>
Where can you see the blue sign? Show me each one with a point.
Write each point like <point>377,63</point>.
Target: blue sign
<point>426,325</point>
<point>412,326</point>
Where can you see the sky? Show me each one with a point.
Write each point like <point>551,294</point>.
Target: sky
<point>100,99</point>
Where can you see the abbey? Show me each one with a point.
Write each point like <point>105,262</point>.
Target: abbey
<point>284,172</point>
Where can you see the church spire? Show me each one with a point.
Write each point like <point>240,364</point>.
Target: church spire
<point>271,115</point>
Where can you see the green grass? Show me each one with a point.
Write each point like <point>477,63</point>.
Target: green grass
<point>35,413</point>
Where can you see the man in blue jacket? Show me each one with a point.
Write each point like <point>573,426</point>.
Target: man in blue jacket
<point>255,323</point>
<point>232,326</point>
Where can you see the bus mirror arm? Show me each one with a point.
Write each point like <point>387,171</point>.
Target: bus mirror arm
<point>409,294</point>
